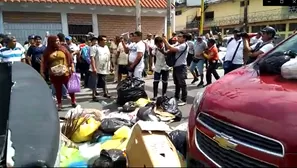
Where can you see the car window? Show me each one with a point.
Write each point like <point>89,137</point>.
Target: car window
<point>289,45</point>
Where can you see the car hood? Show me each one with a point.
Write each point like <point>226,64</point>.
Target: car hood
<point>263,104</point>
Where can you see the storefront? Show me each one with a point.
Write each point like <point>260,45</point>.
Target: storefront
<point>22,19</point>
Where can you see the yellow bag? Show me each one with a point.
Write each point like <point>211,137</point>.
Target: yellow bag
<point>142,102</point>
<point>85,131</point>
<point>119,139</point>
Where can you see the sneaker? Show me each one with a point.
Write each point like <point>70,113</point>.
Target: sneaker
<point>95,99</point>
<point>194,80</point>
<point>181,103</point>
<point>154,98</point>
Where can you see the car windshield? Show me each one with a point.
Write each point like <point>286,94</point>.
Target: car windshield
<point>289,45</point>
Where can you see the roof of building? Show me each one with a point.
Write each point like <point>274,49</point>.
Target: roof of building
<point>115,3</point>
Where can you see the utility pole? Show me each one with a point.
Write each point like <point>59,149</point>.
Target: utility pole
<point>245,16</point>
<point>169,19</point>
<point>201,25</point>
<point>138,15</point>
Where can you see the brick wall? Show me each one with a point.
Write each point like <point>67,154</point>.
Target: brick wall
<point>116,25</point>
<point>79,19</point>
<point>31,17</point>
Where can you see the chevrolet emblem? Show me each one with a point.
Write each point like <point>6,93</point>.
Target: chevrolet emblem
<point>224,142</point>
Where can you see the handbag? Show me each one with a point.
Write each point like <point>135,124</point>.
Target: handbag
<point>73,85</point>
<point>59,70</point>
<point>170,58</point>
<point>228,64</point>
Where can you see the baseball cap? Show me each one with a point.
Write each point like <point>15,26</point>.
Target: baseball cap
<point>269,30</point>
<point>68,38</point>
<point>31,36</point>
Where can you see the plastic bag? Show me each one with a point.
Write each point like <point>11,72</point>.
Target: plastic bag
<point>142,102</point>
<point>147,113</point>
<point>69,155</point>
<point>129,107</point>
<point>111,159</point>
<point>289,69</point>
<point>111,125</point>
<point>88,150</point>
<point>179,140</point>
<point>98,136</point>
<point>273,64</point>
<point>74,83</point>
<point>130,89</point>
<point>169,105</point>
<point>85,131</point>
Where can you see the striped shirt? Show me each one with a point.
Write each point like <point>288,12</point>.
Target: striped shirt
<point>11,55</point>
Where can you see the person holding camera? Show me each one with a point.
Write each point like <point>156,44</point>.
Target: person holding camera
<point>260,48</point>
<point>180,67</point>
<point>234,53</point>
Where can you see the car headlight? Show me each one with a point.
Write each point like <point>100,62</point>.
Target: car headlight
<point>197,100</point>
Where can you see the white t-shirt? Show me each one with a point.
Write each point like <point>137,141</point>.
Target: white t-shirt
<point>73,47</point>
<point>231,47</point>
<point>102,58</point>
<point>265,48</point>
<point>160,60</point>
<point>191,47</point>
<point>123,57</point>
<point>134,49</point>
<point>255,40</point>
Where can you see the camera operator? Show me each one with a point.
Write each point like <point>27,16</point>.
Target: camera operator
<point>260,48</point>
<point>234,52</point>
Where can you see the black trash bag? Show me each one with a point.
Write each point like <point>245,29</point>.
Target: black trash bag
<point>112,158</point>
<point>179,140</point>
<point>169,105</point>
<point>98,134</point>
<point>272,65</point>
<point>130,89</point>
<point>147,114</point>
<point>129,107</point>
<point>110,125</point>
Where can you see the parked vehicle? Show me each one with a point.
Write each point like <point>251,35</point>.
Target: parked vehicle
<point>246,119</point>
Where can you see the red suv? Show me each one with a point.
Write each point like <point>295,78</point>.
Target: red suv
<point>246,119</point>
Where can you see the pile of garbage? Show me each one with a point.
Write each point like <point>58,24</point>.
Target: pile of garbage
<point>136,136</point>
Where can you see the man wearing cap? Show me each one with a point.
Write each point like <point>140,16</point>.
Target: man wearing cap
<point>234,53</point>
<point>35,53</point>
<point>73,48</point>
<point>260,48</point>
<point>12,52</point>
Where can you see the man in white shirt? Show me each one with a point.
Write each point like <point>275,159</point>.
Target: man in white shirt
<point>100,57</point>
<point>136,51</point>
<point>73,48</point>
<point>256,39</point>
<point>234,53</point>
<point>260,48</point>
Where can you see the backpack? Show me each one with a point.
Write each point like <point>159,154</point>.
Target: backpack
<point>85,54</point>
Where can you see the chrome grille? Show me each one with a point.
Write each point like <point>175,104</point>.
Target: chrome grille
<point>223,157</point>
<point>242,136</point>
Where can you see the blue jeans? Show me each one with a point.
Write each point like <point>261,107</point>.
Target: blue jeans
<point>199,65</point>
<point>64,90</point>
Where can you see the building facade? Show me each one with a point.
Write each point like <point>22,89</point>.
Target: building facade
<point>225,15</point>
<point>77,18</point>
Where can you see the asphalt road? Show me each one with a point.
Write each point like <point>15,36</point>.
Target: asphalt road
<point>84,97</point>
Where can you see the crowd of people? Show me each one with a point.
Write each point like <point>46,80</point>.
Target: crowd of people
<point>58,56</point>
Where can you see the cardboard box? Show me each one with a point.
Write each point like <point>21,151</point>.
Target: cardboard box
<point>150,146</point>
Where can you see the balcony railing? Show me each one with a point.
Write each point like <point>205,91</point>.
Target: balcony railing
<point>269,15</point>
